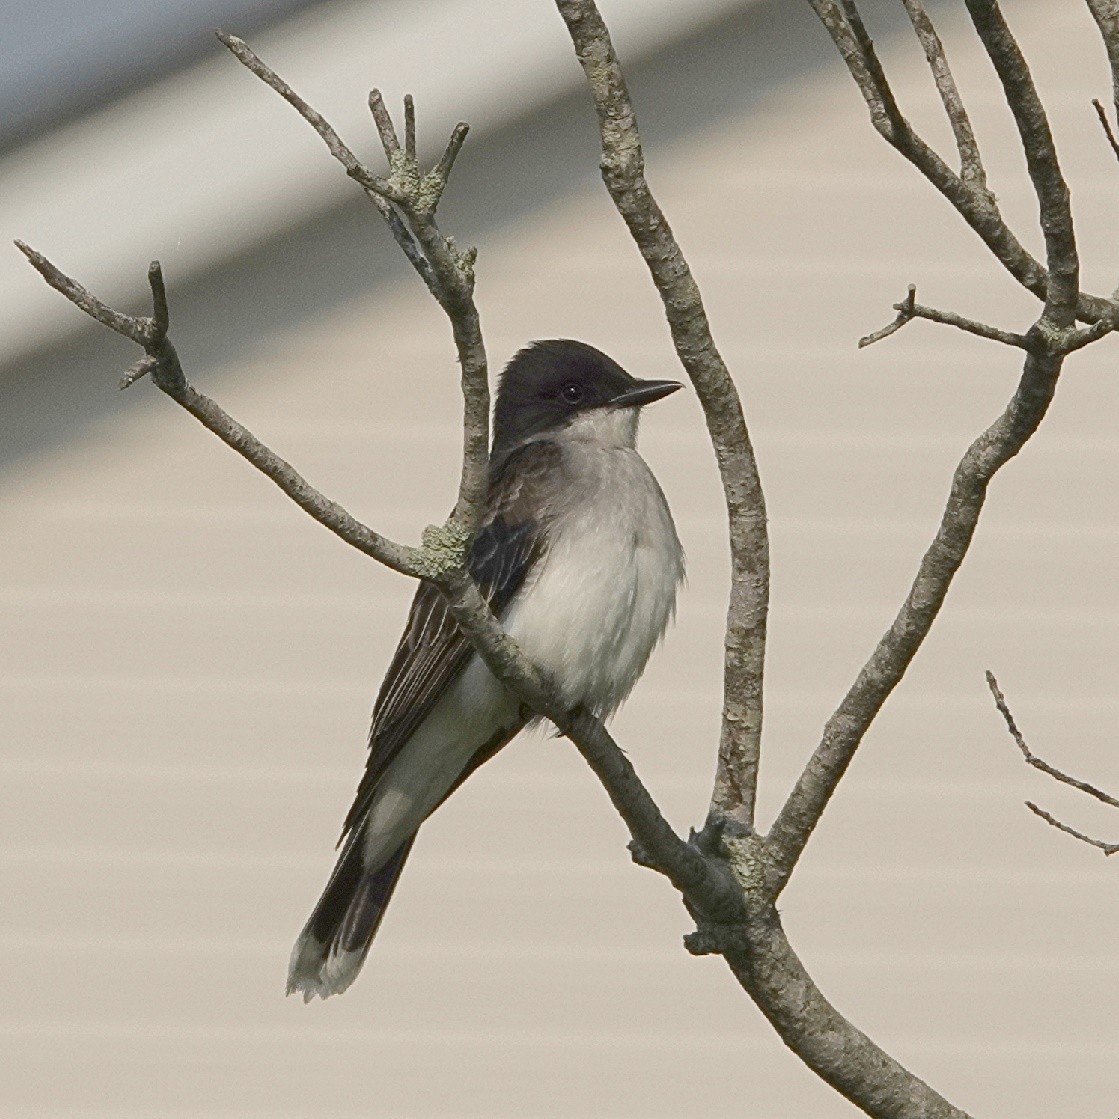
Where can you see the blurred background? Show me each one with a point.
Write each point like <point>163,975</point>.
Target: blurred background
<point>187,663</point>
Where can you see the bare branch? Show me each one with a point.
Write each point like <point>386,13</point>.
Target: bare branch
<point>1063,285</point>
<point>1106,15</point>
<point>385,128</point>
<point>448,273</point>
<point>973,202</point>
<point>132,327</point>
<point>889,116</point>
<point>450,154</point>
<point>883,671</point>
<point>1084,336</point>
<point>357,170</point>
<point>374,187</point>
<point>909,309</point>
<point>1033,759</point>
<point>1106,848</point>
<point>1105,124</point>
<point>409,128</point>
<point>162,362</point>
<point>906,309</point>
<point>764,962</point>
<point>623,173</point>
<point>971,162</point>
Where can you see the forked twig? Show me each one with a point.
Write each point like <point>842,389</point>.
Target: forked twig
<point>1043,766</point>
<point>407,200</point>
<point>909,309</point>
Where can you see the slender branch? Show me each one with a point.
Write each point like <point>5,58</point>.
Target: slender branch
<point>1106,15</point>
<point>1105,124</point>
<point>410,128</point>
<point>883,671</point>
<point>971,161</point>
<point>162,362</point>
<point>906,312</point>
<point>811,1027</point>
<point>1032,758</point>
<point>1083,336</point>
<point>1106,848</point>
<point>909,309</point>
<point>375,187</point>
<point>623,173</point>
<point>407,201</point>
<point>974,203</point>
<point>888,116</point>
<point>1063,285</point>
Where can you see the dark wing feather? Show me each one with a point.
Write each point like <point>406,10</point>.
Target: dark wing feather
<point>433,651</point>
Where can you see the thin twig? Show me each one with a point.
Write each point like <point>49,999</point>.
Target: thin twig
<point>1084,336</point>
<point>1032,758</point>
<point>1106,15</point>
<point>971,161</point>
<point>1105,124</point>
<point>906,310</point>
<point>1106,848</point>
<point>357,170</point>
<point>623,173</point>
<point>130,326</point>
<point>909,309</point>
<point>409,128</point>
<point>377,189</point>
<point>383,121</point>
<point>450,154</point>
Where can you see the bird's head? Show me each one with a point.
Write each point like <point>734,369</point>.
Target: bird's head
<point>560,386</point>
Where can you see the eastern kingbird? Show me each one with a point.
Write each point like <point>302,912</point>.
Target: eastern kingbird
<point>579,559</point>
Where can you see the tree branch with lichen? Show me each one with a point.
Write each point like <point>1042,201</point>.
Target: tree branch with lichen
<point>440,557</point>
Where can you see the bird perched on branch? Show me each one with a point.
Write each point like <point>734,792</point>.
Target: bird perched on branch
<point>579,559</point>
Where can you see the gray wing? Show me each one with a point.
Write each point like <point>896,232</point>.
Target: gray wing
<point>433,651</point>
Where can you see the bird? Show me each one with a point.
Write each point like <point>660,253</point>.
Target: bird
<point>579,559</point>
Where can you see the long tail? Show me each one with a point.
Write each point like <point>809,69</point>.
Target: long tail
<point>335,941</point>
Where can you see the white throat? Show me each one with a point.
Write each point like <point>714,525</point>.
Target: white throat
<point>607,427</point>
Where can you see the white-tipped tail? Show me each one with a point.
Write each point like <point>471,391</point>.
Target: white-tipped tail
<point>330,950</point>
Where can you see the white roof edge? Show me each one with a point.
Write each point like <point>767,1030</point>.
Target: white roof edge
<point>209,161</point>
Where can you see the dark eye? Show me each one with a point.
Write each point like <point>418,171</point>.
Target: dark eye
<point>572,393</point>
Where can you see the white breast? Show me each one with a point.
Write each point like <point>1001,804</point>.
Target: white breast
<point>606,589</point>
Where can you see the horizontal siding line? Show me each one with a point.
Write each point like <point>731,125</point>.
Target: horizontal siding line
<point>871,439</point>
<point>376,607</point>
<point>908,699</point>
<point>1027,1048</point>
<point>91,774</point>
<point>877,873</point>
<point>1059,961</point>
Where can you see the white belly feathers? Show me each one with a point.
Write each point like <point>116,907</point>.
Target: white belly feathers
<point>602,596</point>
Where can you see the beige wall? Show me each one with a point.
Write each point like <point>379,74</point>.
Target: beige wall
<point>188,663</point>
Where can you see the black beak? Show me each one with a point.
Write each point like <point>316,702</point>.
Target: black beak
<point>644,392</point>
